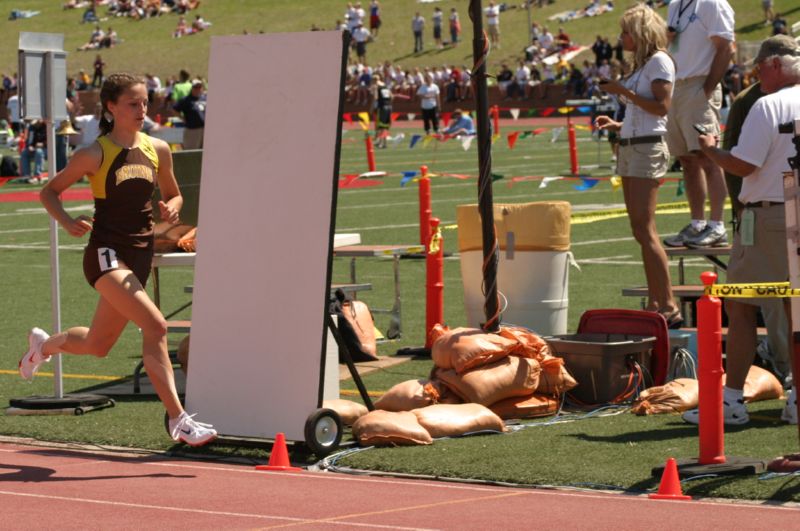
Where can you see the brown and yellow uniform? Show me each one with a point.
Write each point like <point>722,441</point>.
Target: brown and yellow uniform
<point>123,213</point>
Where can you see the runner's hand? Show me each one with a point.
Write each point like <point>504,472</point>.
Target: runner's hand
<point>79,226</point>
<point>168,214</point>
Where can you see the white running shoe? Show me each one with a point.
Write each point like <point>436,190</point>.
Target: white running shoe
<point>789,413</point>
<point>186,429</point>
<point>733,415</point>
<point>33,359</point>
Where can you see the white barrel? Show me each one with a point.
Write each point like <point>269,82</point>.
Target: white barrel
<point>533,268</point>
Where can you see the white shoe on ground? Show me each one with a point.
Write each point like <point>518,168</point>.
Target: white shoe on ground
<point>733,415</point>
<point>33,359</point>
<point>789,413</point>
<point>186,429</point>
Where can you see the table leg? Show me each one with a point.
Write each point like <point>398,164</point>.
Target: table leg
<point>156,289</point>
<point>353,274</point>
<point>395,327</point>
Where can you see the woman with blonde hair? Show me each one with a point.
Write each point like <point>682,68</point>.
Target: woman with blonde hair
<point>643,154</point>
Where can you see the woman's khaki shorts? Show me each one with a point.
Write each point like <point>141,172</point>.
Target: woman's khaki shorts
<point>766,260</point>
<point>649,161</point>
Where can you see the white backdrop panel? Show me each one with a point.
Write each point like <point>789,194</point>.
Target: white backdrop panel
<point>265,232</point>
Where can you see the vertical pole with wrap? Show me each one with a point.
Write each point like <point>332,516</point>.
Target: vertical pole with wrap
<point>480,50</point>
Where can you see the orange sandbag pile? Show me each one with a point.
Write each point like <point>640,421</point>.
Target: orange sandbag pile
<point>513,365</point>
<point>386,428</point>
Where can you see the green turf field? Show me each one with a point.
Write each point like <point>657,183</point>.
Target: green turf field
<point>617,451</point>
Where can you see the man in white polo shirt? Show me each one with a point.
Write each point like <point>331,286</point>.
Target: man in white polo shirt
<point>701,39</point>
<point>759,252</point>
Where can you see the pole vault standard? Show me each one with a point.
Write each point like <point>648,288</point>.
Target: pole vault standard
<point>480,51</point>
<point>43,85</point>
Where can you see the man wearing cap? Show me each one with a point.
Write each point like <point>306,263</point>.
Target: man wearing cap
<point>701,37</point>
<point>759,244</point>
<point>193,109</point>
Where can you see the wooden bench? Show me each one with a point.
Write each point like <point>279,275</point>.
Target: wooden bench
<point>687,297</point>
<point>712,254</point>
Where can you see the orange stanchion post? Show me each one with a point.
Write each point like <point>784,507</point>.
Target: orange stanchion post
<point>573,150</point>
<point>424,206</point>
<point>370,152</point>
<point>709,374</point>
<point>496,119</point>
<point>434,284</point>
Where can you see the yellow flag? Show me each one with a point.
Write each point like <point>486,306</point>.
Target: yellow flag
<point>363,120</point>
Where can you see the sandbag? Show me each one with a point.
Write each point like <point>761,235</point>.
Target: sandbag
<point>526,407</point>
<point>530,345</point>
<point>411,394</point>
<point>356,327</point>
<point>673,397</point>
<point>507,377</point>
<point>387,428</point>
<point>452,420</point>
<point>465,348</point>
<point>347,410</point>
<point>554,378</point>
<point>760,385</point>
<point>166,236</point>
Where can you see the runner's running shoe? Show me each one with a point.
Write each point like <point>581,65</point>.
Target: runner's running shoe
<point>733,414</point>
<point>33,359</point>
<point>186,429</point>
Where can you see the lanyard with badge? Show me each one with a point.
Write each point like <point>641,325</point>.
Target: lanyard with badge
<point>675,28</point>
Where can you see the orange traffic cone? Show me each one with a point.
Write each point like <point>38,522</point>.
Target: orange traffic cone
<point>279,457</point>
<point>670,487</point>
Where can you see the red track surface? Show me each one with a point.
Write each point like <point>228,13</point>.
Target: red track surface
<point>56,488</point>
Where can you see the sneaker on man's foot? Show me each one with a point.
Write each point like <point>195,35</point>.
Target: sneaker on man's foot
<point>708,237</point>
<point>187,430</point>
<point>789,413</point>
<point>733,414</point>
<point>32,359</point>
<point>679,240</point>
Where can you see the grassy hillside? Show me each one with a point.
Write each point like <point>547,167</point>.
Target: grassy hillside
<point>148,45</point>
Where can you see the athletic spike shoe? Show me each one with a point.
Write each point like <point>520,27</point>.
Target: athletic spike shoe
<point>789,413</point>
<point>733,414</point>
<point>33,359</point>
<point>679,240</point>
<point>186,429</point>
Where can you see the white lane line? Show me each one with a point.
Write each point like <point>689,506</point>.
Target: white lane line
<point>14,231</point>
<point>41,246</point>
<point>194,511</point>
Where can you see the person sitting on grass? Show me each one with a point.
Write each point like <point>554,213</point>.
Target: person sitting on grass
<point>123,167</point>
<point>463,124</point>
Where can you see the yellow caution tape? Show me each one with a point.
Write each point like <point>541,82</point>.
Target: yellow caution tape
<point>768,290</point>
<point>436,241</point>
